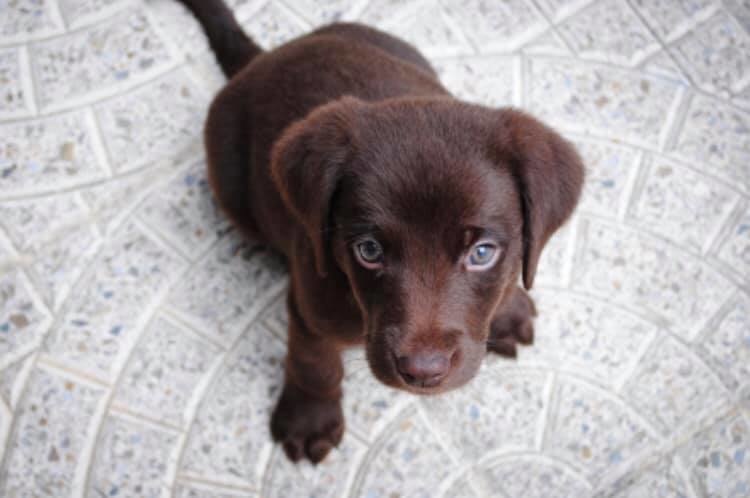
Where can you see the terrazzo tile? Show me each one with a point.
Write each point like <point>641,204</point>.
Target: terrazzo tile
<point>591,338</point>
<point>483,80</point>
<point>13,378</point>
<point>595,433</point>
<point>23,320</point>
<point>328,479</point>
<point>719,459</point>
<point>369,405</point>
<point>498,410</point>
<point>609,171</point>
<point>534,477</point>
<point>559,9</point>
<point>428,30</point>
<point>609,31</point>
<point>191,490</point>
<point>130,460</point>
<point>226,289</point>
<point>672,386</point>
<point>672,18</point>
<point>726,348</point>
<point>719,135</point>
<point>497,26</point>
<point>230,439</point>
<point>681,205</point>
<point>717,55</point>
<point>48,154</point>
<point>95,61</point>
<point>184,211</point>
<point>99,322</point>
<point>318,12</point>
<point>29,222</point>
<point>24,20</point>
<point>45,446</point>
<point>15,102</point>
<point>660,480</point>
<point>664,66</point>
<point>641,272</point>
<point>734,248</point>
<point>81,12</point>
<point>548,43</point>
<point>556,256</point>
<point>165,369</point>
<point>407,449</point>
<point>600,100</point>
<point>272,25</point>
<point>461,488</point>
<point>135,129</point>
<point>382,13</point>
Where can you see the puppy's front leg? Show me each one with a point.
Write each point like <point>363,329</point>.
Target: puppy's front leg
<point>308,420</point>
<point>513,323</point>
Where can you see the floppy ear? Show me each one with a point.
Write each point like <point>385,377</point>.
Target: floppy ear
<point>307,163</point>
<point>549,174</point>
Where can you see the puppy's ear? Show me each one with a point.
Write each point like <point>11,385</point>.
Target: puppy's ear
<point>549,173</point>
<point>307,163</point>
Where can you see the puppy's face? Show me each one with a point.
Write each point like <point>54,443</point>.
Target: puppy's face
<point>431,208</point>
<point>429,235</point>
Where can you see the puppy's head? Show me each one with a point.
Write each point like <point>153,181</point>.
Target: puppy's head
<point>431,208</point>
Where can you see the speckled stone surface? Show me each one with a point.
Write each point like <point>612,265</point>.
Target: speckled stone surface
<point>142,340</point>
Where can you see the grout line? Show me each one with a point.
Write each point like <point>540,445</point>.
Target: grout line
<point>545,415</point>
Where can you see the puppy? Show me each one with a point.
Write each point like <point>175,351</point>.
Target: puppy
<point>406,216</point>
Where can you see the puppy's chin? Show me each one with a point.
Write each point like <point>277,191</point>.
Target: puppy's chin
<point>383,366</point>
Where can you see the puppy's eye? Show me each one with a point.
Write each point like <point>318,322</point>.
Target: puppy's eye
<point>369,254</point>
<point>482,256</point>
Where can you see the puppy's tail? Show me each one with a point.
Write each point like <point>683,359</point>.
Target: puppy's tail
<point>233,48</point>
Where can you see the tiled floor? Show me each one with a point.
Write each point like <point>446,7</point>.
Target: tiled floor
<point>141,339</point>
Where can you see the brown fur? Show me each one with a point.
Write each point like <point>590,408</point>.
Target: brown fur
<point>346,133</point>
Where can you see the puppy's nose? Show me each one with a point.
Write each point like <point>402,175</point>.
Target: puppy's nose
<point>424,369</point>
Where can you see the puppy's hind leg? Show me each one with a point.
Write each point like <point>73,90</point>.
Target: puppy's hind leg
<point>228,139</point>
<point>513,323</point>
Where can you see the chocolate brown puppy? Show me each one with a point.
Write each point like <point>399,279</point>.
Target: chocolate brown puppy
<point>406,216</point>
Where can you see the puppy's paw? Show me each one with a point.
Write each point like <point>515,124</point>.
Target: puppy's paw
<point>306,427</point>
<point>513,324</point>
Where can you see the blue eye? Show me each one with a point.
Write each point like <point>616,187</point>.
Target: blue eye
<point>482,256</point>
<point>369,253</point>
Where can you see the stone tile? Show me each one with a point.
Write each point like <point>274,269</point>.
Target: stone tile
<point>609,31</point>
<point>664,66</point>
<point>461,488</point>
<point>642,273</point>
<point>609,171</point>
<point>533,477</point>
<point>100,321</point>
<point>681,205</point>
<point>28,19</point>
<point>734,248</point>
<point>659,480</point>
<point>23,320</point>
<point>498,410</point>
<point>429,31</point>
<point>228,288</point>
<point>45,447</point>
<point>719,459</point>
<point>230,438</point>
<point>137,131</point>
<point>590,338</point>
<point>559,9</point>
<point>381,13</point>
<point>726,348</point>
<point>594,432</point>
<point>368,404</point>
<point>114,54</point>
<point>671,18</point>
<point>483,80</point>
<point>29,222</point>
<point>600,100</point>
<point>194,490</point>
<point>328,479</point>
<point>671,386</point>
<point>48,154</point>
<point>719,135</point>
<point>182,29</point>
<point>165,369</point>
<point>556,257</point>
<point>272,25</point>
<point>319,12</point>
<point>13,379</point>
<point>15,101</point>
<point>81,12</point>
<point>131,459</point>
<point>549,43</point>
<point>497,26</point>
<point>407,444</point>
<point>183,210</point>
<point>717,55</point>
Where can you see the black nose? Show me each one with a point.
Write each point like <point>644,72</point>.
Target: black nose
<point>424,369</point>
